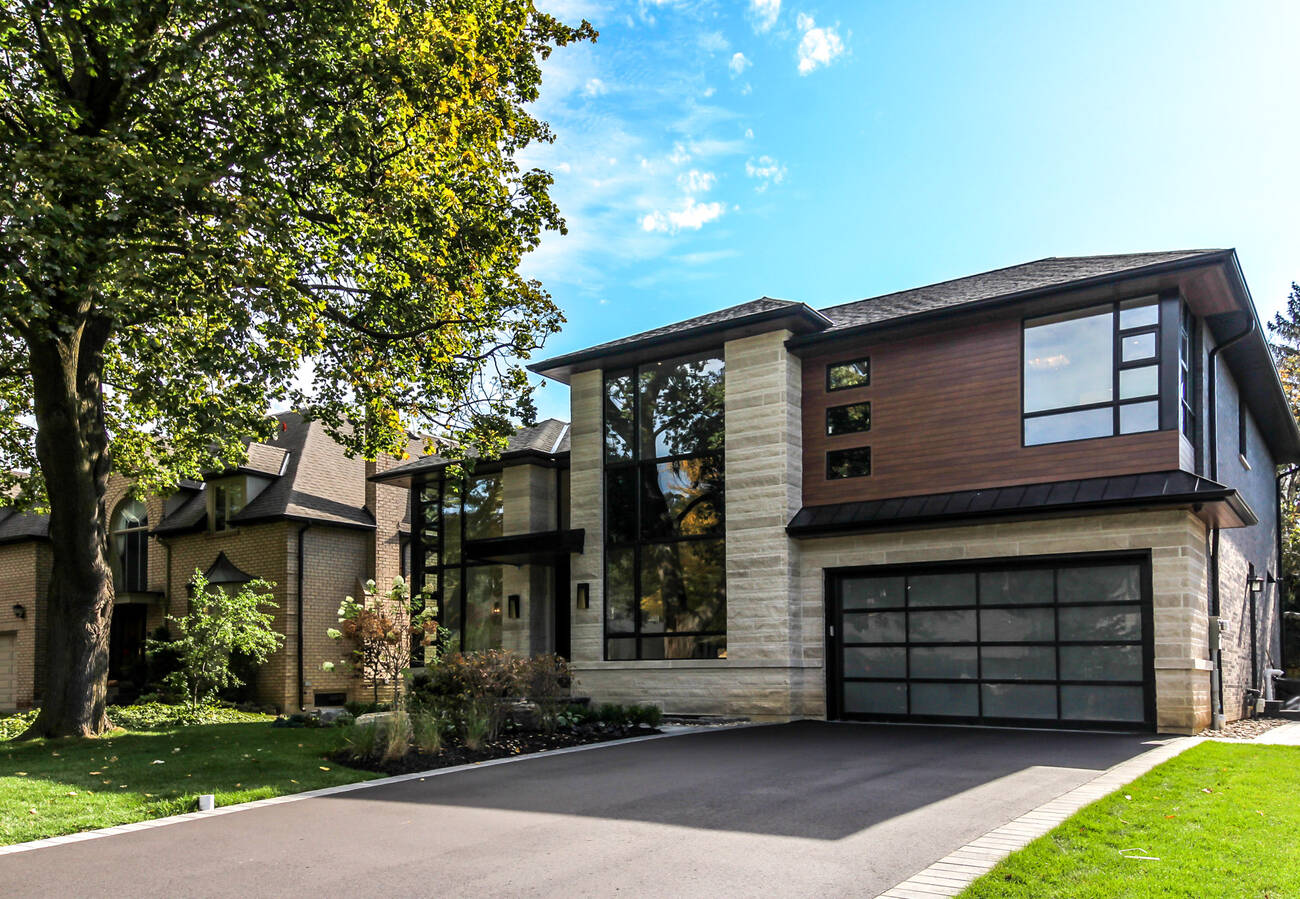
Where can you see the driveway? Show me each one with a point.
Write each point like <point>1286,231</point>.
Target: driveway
<point>802,809</point>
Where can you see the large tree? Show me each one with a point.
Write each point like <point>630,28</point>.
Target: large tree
<point>213,207</point>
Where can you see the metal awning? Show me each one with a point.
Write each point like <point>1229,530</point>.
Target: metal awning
<point>1217,505</point>
<point>537,548</point>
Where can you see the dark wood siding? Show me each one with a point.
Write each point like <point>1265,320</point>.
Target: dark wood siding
<point>945,415</point>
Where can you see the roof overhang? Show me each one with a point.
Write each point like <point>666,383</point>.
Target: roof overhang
<point>1215,504</point>
<point>798,319</point>
<point>538,548</point>
<point>430,466</point>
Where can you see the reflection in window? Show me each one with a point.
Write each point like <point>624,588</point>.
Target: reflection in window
<point>227,502</point>
<point>854,462</point>
<point>468,593</point>
<point>1087,371</point>
<point>129,537</point>
<point>665,558</point>
<point>851,419</point>
<point>843,375</point>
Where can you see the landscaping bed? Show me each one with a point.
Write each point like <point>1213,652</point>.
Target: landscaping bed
<point>510,744</point>
<point>1218,820</point>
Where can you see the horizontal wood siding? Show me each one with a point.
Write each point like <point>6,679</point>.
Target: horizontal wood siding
<point>945,415</point>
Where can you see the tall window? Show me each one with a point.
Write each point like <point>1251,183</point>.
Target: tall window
<point>448,513</point>
<point>665,551</point>
<point>129,537</point>
<point>228,499</point>
<point>1092,372</point>
<point>1186,374</point>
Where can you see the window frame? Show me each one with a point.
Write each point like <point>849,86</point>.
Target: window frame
<point>830,388</point>
<point>849,449</point>
<point>637,464</point>
<point>220,524</point>
<point>1118,366</point>
<point>139,532</point>
<point>830,409</point>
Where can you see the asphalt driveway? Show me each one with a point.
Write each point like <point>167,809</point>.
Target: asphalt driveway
<point>804,809</point>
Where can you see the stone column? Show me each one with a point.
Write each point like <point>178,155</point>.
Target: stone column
<point>587,511</point>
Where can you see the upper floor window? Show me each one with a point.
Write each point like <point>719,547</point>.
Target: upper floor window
<point>851,419</point>
<point>129,538</point>
<point>1186,373</point>
<point>229,496</point>
<point>665,550</point>
<point>843,375</point>
<point>1092,372</point>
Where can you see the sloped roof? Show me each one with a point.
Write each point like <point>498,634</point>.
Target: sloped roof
<point>1054,271</point>
<point>546,438</point>
<point>17,526</point>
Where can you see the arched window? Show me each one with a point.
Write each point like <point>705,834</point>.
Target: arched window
<point>129,536</point>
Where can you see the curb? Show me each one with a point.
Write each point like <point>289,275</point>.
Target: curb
<point>957,870</point>
<point>116,829</point>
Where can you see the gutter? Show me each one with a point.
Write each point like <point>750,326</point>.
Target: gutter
<point>301,678</point>
<point>1216,673</point>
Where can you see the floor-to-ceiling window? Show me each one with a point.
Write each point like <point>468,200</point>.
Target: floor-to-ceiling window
<point>448,513</point>
<point>665,550</point>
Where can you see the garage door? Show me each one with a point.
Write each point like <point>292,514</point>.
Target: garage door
<point>1046,642</point>
<point>7,697</point>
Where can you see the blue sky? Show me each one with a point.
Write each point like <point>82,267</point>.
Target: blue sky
<point>708,153</point>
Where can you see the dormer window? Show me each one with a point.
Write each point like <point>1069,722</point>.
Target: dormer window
<point>229,496</point>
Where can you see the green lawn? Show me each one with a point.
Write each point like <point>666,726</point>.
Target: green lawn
<point>51,787</point>
<point>1222,820</point>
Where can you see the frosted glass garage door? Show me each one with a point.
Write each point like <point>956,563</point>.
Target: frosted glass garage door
<point>1060,643</point>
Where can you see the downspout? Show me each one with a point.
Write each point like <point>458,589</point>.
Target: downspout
<point>1216,674</point>
<point>1280,583</point>
<point>302,683</point>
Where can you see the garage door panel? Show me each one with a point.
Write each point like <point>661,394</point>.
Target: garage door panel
<point>1034,641</point>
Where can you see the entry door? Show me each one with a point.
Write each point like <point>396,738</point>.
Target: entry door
<point>1049,642</point>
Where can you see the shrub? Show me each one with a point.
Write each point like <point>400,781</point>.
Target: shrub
<point>13,725</point>
<point>356,709</point>
<point>427,729</point>
<point>164,716</point>
<point>218,627</point>
<point>628,715</point>
<point>471,688</point>
<point>380,631</point>
<point>546,681</point>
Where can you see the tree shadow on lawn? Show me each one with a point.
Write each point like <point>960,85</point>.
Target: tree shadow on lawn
<point>807,779</point>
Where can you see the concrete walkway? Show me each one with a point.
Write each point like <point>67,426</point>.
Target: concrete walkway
<point>806,809</point>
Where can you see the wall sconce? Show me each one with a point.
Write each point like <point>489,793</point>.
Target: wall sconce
<point>20,610</point>
<point>1256,585</point>
<point>584,596</point>
<point>512,605</point>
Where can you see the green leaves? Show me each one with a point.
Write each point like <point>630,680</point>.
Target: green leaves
<point>274,204</point>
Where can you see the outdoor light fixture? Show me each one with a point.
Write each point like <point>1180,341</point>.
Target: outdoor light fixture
<point>584,596</point>
<point>20,610</point>
<point>1256,585</point>
<point>512,605</point>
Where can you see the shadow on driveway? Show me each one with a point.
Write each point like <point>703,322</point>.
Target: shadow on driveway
<point>807,779</point>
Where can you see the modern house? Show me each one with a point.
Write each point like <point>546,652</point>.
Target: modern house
<point>1044,495</point>
<point>299,513</point>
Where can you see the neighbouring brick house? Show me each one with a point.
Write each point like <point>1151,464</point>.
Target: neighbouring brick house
<point>1044,495</point>
<point>299,513</point>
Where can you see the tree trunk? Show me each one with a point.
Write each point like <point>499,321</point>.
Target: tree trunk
<point>72,448</point>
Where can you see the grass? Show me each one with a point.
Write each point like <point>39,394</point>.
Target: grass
<point>52,787</point>
<point>1219,820</point>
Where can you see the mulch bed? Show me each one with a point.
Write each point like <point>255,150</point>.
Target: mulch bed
<point>1244,728</point>
<point>514,743</point>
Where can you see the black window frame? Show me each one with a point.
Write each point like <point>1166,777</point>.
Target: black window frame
<point>830,388</point>
<point>843,451</point>
<point>131,568</point>
<point>637,465</point>
<point>1118,365</point>
<point>831,409</point>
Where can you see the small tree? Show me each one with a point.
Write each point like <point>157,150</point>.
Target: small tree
<point>219,625</point>
<point>381,630</point>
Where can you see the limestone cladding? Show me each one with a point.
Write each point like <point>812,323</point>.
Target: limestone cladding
<point>767,673</point>
<point>1175,539</point>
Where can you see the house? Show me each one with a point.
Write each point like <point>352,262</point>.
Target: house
<point>298,513</point>
<point>1043,495</point>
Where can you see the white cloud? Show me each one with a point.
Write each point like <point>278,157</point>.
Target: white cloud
<point>766,170</point>
<point>818,47</point>
<point>696,182</point>
<point>749,133</point>
<point>764,13</point>
<point>738,64</point>
<point>679,156</point>
<point>691,215</point>
<point>713,42</point>
<point>709,92</point>
<point>594,88</point>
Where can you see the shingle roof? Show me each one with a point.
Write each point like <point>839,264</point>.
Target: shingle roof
<point>1055,271</point>
<point>16,526</point>
<point>731,313</point>
<point>1157,488</point>
<point>549,438</point>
